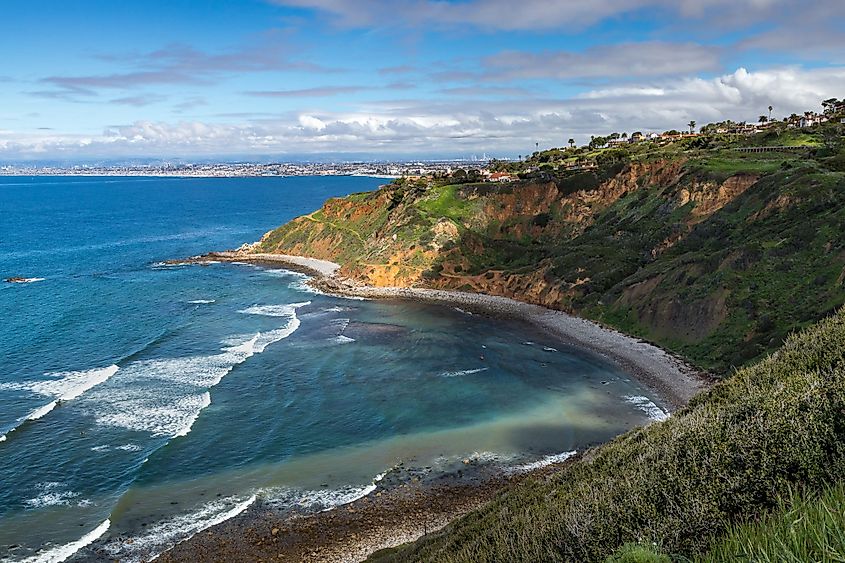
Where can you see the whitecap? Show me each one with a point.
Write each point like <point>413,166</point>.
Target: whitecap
<point>274,310</point>
<point>52,494</point>
<point>647,406</point>
<point>202,301</point>
<point>164,397</point>
<point>458,309</point>
<point>462,372</point>
<point>186,428</point>
<point>63,552</point>
<point>336,309</point>
<point>156,415</point>
<point>67,387</point>
<point>340,339</point>
<point>25,280</point>
<point>544,462</point>
<point>549,349</point>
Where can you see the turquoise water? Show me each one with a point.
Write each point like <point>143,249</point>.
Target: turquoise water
<point>146,402</point>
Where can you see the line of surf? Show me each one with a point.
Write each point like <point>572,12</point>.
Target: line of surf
<point>71,386</point>
<point>64,552</point>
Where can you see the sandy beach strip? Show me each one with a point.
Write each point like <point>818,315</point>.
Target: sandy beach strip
<point>312,266</point>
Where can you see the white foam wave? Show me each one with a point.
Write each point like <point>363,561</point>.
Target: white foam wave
<point>274,310</point>
<point>164,535</point>
<point>204,402</point>
<point>161,396</point>
<point>458,309</point>
<point>281,273</point>
<point>544,462</point>
<point>157,415</point>
<point>343,339</point>
<point>336,309</point>
<point>25,280</point>
<point>202,301</point>
<point>67,386</point>
<point>324,500</point>
<point>51,494</point>
<point>462,372</point>
<point>549,349</point>
<point>647,406</point>
<point>302,285</point>
<point>63,552</point>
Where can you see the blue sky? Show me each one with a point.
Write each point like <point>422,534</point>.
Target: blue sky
<point>97,79</point>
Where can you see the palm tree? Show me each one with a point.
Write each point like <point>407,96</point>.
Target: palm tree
<point>572,143</point>
<point>691,126</point>
<point>770,112</point>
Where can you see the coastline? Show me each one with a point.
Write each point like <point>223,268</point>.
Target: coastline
<point>667,375</point>
<point>406,506</point>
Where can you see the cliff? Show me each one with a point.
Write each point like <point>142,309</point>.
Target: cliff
<point>716,262</point>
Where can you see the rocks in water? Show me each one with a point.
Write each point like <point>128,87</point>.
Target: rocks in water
<point>18,279</point>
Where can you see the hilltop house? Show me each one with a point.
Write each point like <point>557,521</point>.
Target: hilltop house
<point>502,177</point>
<point>811,119</point>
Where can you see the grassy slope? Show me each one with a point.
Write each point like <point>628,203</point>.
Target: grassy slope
<point>734,284</point>
<point>680,483</point>
<point>777,252</point>
<point>809,527</point>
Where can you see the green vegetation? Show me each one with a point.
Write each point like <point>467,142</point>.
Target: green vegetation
<point>444,201</point>
<point>683,483</point>
<point>808,527</point>
<point>714,253</point>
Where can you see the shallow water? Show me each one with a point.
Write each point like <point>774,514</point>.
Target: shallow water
<point>148,402</point>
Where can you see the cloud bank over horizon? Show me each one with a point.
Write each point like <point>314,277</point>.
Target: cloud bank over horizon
<point>405,78</point>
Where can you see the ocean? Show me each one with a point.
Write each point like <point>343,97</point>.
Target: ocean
<point>141,403</point>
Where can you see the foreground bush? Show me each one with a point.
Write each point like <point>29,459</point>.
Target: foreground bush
<point>802,528</point>
<point>682,483</point>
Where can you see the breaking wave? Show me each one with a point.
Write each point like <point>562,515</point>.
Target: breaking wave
<point>647,406</point>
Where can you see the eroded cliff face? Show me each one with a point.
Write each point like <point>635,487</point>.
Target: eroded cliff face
<point>649,247</point>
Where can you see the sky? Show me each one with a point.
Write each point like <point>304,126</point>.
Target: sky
<point>88,80</point>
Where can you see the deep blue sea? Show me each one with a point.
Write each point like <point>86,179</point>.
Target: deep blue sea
<point>141,403</point>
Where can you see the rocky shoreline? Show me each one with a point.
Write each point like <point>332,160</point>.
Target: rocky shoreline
<point>406,506</point>
<point>400,510</point>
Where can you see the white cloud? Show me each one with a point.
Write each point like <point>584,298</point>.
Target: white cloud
<point>536,14</point>
<point>421,127</point>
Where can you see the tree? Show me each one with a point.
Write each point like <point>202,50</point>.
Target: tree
<point>763,119</point>
<point>691,126</point>
<point>624,135</point>
<point>770,112</point>
<point>830,105</point>
<point>572,143</point>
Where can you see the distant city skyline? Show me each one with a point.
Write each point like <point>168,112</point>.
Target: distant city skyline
<point>291,79</point>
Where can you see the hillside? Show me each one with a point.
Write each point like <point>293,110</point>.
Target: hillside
<point>711,252</point>
<point>727,459</point>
